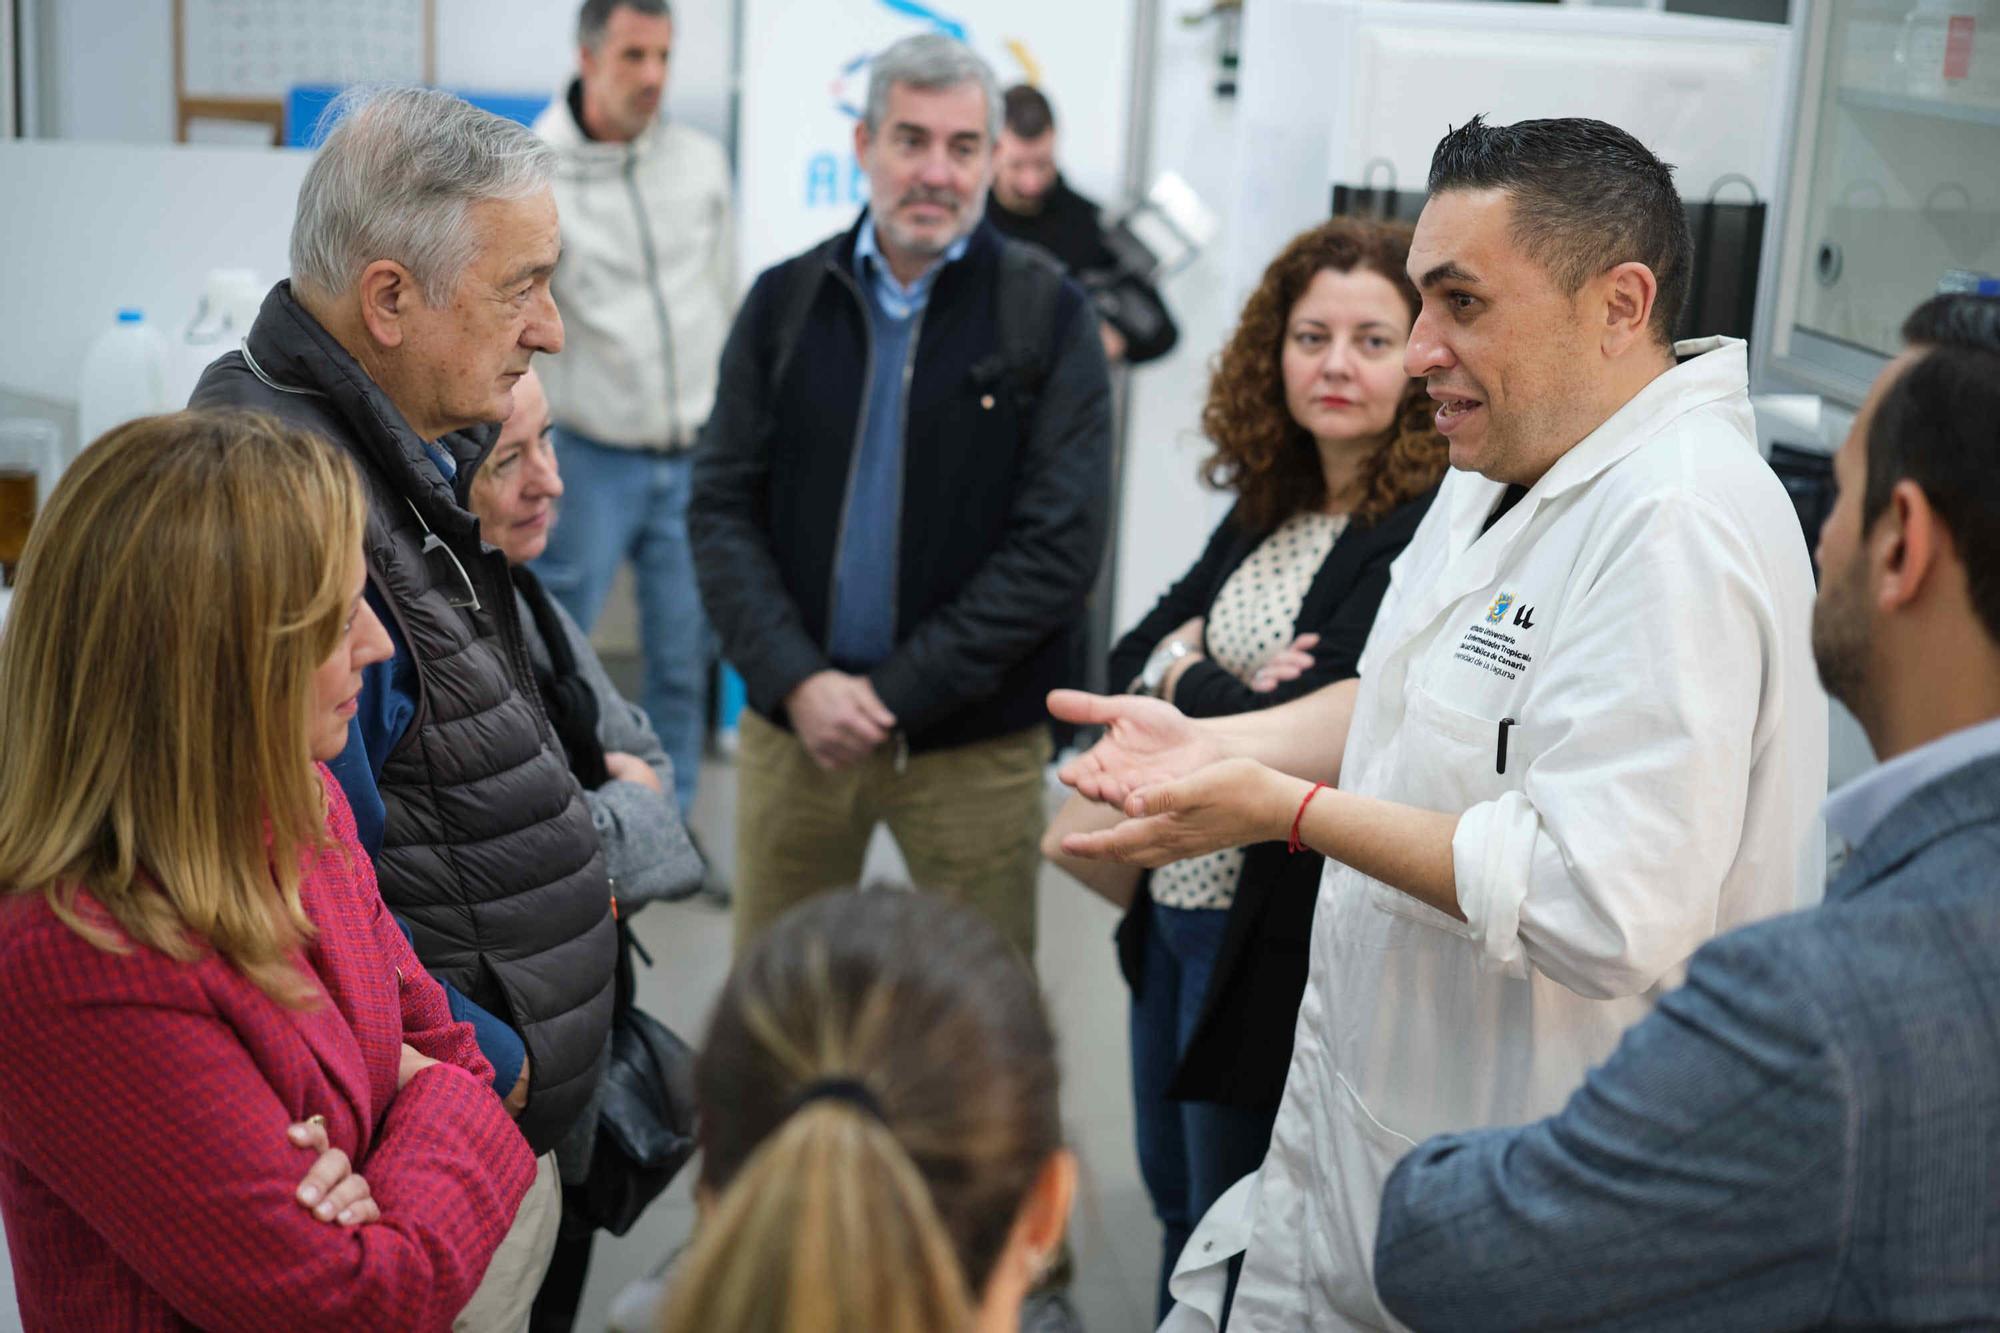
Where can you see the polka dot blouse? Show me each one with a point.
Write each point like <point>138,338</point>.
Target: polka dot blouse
<point>1252,618</point>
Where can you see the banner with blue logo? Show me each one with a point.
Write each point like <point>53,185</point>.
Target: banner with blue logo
<point>805,82</point>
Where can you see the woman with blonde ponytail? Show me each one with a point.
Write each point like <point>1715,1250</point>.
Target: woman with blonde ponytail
<point>881,1143</point>
<point>230,1096</point>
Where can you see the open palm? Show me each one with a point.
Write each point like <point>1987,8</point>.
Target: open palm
<point>1146,742</point>
<point>1227,804</point>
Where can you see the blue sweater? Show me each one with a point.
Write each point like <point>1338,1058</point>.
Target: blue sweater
<point>863,632</point>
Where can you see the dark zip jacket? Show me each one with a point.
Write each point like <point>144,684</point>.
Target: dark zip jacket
<point>1003,512</point>
<point>488,851</point>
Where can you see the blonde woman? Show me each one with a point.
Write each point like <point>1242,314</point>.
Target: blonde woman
<point>881,1145</point>
<point>229,1094</point>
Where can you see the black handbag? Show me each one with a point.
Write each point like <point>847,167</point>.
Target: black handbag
<point>646,1122</point>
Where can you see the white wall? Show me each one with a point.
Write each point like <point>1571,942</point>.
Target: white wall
<point>112,74</point>
<point>1166,515</point>
<point>1707,95</point>
<point>127,225</point>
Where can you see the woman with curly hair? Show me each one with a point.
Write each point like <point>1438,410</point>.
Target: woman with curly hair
<point>1331,452</point>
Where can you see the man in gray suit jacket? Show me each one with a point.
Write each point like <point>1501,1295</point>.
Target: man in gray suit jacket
<point>1807,1133</point>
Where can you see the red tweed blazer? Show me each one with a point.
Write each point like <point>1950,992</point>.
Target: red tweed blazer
<point>145,1175</point>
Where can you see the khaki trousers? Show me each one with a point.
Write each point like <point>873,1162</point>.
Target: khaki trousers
<point>968,821</point>
<point>507,1292</point>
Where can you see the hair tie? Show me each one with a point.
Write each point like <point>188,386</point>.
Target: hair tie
<point>849,1090</point>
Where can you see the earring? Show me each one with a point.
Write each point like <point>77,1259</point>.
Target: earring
<point>1039,1263</point>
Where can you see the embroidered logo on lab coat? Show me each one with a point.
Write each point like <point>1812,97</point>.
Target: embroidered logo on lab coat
<point>1494,651</point>
<point>1498,612</point>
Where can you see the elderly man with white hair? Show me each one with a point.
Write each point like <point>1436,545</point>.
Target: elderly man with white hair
<point>422,250</point>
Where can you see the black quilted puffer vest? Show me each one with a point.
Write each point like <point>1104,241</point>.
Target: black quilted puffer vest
<point>488,851</point>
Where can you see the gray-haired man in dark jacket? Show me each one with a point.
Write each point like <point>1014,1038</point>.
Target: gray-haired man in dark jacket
<point>421,255</point>
<point>899,505</point>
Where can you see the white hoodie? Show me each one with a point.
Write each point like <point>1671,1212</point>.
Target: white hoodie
<point>648,245</point>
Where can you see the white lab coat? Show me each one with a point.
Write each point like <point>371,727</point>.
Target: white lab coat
<point>1642,615</point>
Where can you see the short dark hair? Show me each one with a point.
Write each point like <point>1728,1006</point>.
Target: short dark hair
<point>1939,426</point>
<point>1587,197</point>
<point>595,17</point>
<point>1029,115</point>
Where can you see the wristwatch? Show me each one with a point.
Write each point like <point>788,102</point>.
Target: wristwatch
<point>1154,673</point>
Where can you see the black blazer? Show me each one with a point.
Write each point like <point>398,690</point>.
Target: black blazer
<point>1242,1043</point>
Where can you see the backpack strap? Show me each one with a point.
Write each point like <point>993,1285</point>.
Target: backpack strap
<point>795,302</point>
<point>1030,290</point>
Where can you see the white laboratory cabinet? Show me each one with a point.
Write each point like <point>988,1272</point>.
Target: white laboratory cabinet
<point>1895,182</point>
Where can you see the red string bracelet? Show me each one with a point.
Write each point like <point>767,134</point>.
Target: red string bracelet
<point>1292,844</point>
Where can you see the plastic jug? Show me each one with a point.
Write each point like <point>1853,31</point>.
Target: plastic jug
<point>124,376</point>
<point>230,299</point>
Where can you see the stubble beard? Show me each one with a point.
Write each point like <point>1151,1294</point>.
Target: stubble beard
<point>1840,634</point>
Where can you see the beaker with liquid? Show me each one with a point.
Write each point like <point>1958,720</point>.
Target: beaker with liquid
<point>30,459</point>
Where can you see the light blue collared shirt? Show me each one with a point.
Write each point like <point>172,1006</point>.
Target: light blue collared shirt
<point>1854,811</point>
<point>895,300</point>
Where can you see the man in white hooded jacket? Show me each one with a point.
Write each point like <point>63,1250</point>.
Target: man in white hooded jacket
<point>1587,734</point>
<point>647,290</point>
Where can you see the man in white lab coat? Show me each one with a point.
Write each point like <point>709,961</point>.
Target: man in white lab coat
<point>1587,734</point>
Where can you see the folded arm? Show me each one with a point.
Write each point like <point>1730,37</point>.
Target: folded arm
<point>1207,690</point>
<point>204,1130</point>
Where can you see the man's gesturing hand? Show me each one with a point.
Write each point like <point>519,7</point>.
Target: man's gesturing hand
<point>838,718</point>
<point>1146,742</point>
<point>1229,804</point>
